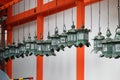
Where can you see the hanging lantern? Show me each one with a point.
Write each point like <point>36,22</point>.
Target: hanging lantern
<point>21,47</point>
<point>116,41</point>
<point>1,54</point>
<point>12,50</point>
<point>6,54</point>
<point>71,36</point>
<point>33,48</point>
<point>39,47</point>
<point>47,47</point>
<point>28,46</point>
<point>98,42</point>
<point>17,55</point>
<point>107,49</point>
<point>82,37</point>
<point>63,39</point>
<point>55,41</point>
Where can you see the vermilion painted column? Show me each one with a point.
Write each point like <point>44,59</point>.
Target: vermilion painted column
<point>80,51</point>
<point>39,58</point>
<point>9,41</point>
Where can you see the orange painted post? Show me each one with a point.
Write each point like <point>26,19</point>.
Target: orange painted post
<point>80,51</point>
<point>9,41</point>
<point>39,58</point>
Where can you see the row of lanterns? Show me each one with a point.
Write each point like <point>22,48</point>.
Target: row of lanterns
<point>109,47</point>
<point>47,47</point>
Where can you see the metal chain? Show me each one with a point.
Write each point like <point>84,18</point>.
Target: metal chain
<point>56,16</point>
<point>99,15</point>
<point>48,20</point>
<point>91,13</point>
<point>118,14</point>
<point>24,24</point>
<point>108,12</point>
<point>29,22</point>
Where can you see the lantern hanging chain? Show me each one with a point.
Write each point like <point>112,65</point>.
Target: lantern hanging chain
<point>18,20</point>
<point>56,15</point>
<point>48,20</point>
<point>24,24</point>
<point>99,16</point>
<point>72,16</point>
<point>118,14</point>
<point>29,22</point>
<point>91,13</point>
<point>108,12</point>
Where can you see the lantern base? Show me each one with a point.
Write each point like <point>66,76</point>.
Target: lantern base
<point>70,44</point>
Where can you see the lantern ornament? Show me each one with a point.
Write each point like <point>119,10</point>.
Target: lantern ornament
<point>47,47</point>
<point>12,50</point>
<point>82,37</point>
<point>28,46</point>
<point>55,41</point>
<point>63,39</point>
<point>116,41</point>
<point>98,42</point>
<point>1,54</point>
<point>107,49</point>
<point>71,36</point>
<point>6,52</point>
<point>33,48</point>
<point>39,47</point>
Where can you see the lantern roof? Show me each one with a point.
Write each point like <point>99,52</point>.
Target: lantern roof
<point>83,29</point>
<point>99,36</point>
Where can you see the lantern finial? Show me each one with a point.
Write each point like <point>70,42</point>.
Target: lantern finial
<point>108,33</point>
<point>73,26</point>
<point>117,36</point>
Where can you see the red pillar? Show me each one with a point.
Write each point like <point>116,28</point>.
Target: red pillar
<point>80,51</point>
<point>39,58</point>
<point>9,41</point>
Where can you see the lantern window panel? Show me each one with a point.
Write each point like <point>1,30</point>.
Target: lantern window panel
<point>28,46</point>
<point>99,43</point>
<point>86,36</point>
<point>69,37</point>
<point>39,48</point>
<point>62,40</point>
<point>32,46</point>
<point>104,47</point>
<point>80,36</point>
<point>117,47</point>
<point>74,36</point>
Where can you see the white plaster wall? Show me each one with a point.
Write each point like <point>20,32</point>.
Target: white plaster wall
<point>62,66</point>
<point>20,7</point>
<point>24,67</point>
<point>46,1</point>
<point>97,68</point>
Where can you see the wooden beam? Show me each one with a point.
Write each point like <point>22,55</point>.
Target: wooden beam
<point>42,9</point>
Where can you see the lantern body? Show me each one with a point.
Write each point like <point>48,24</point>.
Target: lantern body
<point>21,47</point>
<point>107,48</point>
<point>17,51</point>
<point>55,42</point>
<point>2,54</point>
<point>82,37</point>
<point>116,50</point>
<point>40,48</point>
<point>98,42</point>
<point>6,52</point>
<point>47,48</point>
<point>12,51</point>
<point>71,37</point>
<point>27,46</point>
<point>33,48</point>
<point>63,41</point>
